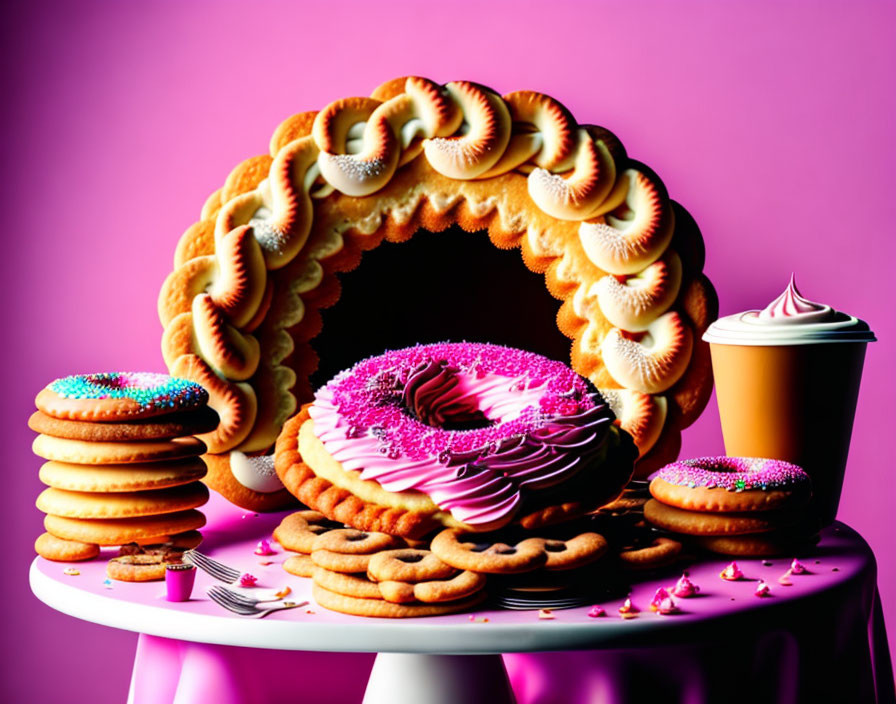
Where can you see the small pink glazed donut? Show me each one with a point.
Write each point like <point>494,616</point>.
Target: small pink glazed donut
<point>730,484</point>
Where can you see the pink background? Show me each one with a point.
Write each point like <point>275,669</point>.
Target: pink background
<point>770,122</point>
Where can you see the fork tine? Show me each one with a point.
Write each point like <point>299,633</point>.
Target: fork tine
<point>240,598</point>
<point>216,569</point>
<point>229,597</point>
<point>241,610</point>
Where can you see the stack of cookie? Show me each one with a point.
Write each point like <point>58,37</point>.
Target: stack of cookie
<point>376,574</point>
<point>739,506</point>
<point>122,465</point>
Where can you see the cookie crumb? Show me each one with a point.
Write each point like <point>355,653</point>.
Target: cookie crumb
<point>71,571</point>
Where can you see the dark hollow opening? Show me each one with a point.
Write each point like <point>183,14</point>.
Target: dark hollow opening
<point>437,287</point>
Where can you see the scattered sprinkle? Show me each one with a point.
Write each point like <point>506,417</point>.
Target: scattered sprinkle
<point>71,571</point>
<point>283,591</point>
<point>684,588</point>
<point>731,573</point>
<point>545,614</point>
<point>107,583</point>
<point>734,473</point>
<point>247,580</point>
<point>596,611</point>
<point>797,567</point>
<point>762,588</point>
<point>784,579</point>
<point>264,548</point>
<point>480,619</point>
<point>767,563</point>
<point>628,609</point>
<point>147,389</point>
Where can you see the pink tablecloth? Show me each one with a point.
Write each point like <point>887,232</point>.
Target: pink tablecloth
<point>821,639</point>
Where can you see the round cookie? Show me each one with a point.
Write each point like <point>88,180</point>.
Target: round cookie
<point>136,568</point>
<point>119,478</point>
<point>159,428</point>
<point>299,565</point>
<point>119,396</point>
<point>346,584</point>
<point>731,484</point>
<point>248,482</point>
<point>677,520</point>
<point>77,504</point>
<point>658,553</point>
<point>408,565</point>
<point>60,550</point>
<point>461,586</point>
<point>379,608</point>
<point>349,550</point>
<point>298,531</point>
<point>117,531</point>
<point>102,453</point>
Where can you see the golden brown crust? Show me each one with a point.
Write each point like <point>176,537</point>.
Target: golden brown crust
<point>379,608</point>
<point>717,499</point>
<point>161,428</point>
<point>154,502</point>
<point>417,196</point>
<point>659,553</point>
<point>50,547</point>
<point>677,520</point>
<point>117,478</point>
<point>335,503</point>
<point>118,531</point>
<point>100,453</point>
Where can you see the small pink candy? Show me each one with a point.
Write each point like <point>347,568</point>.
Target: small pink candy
<point>667,606</point>
<point>247,580</point>
<point>597,611</point>
<point>628,609</point>
<point>762,588</point>
<point>731,573</point>
<point>685,588</point>
<point>658,598</point>
<point>264,548</point>
<point>797,567</point>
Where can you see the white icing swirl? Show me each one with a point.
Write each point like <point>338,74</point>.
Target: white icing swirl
<point>790,319</point>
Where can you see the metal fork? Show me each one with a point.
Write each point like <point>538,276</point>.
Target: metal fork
<point>225,598</point>
<point>216,569</point>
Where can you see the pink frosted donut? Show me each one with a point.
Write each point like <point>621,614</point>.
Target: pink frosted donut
<point>473,426</point>
<point>730,484</point>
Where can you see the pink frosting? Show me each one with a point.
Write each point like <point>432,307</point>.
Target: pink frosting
<point>685,588</point>
<point>535,424</point>
<point>790,308</point>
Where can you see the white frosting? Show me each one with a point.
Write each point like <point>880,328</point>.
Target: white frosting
<point>255,473</point>
<point>789,320</point>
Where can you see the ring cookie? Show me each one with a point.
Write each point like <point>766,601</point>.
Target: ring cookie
<point>298,531</point>
<point>78,504</point>
<point>677,520</point>
<point>158,428</point>
<point>380,608</point>
<point>102,453</point>
<point>300,565</point>
<point>119,396</point>
<point>461,586</point>
<point>118,531</point>
<point>60,550</point>
<point>408,565</point>
<point>731,485</point>
<point>659,552</point>
<point>349,550</point>
<point>121,478</point>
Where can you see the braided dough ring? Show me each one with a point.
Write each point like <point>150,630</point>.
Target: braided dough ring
<point>349,550</point>
<point>251,275</point>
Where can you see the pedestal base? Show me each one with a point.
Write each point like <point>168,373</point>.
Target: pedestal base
<point>402,678</point>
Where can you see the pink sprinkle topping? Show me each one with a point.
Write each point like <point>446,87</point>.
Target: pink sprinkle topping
<point>264,548</point>
<point>247,580</point>
<point>797,567</point>
<point>596,611</point>
<point>731,573</point>
<point>762,588</point>
<point>684,588</point>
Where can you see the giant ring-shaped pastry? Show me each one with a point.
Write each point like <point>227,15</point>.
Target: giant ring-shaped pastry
<point>241,305</point>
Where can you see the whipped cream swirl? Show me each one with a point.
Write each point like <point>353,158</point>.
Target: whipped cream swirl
<point>790,319</point>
